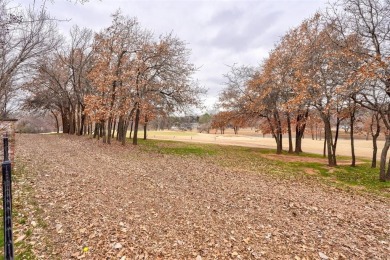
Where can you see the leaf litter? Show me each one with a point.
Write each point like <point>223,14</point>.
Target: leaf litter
<point>112,202</point>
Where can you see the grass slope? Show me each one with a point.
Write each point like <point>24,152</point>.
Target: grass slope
<point>361,177</point>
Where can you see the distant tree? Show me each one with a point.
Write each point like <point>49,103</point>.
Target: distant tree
<point>234,97</point>
<point>237,121</point>
<point>204,123</point>
<point>315,124</point>
<point>220,121</point>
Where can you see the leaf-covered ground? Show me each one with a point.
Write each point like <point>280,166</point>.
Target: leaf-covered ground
<point>94,201</point>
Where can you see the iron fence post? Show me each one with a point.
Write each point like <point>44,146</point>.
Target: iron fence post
<point>5,147</point>
<point>7,204</point>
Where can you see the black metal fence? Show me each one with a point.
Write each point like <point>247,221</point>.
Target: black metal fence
<point>7,203</point>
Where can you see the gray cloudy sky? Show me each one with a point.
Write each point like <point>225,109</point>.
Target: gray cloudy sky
<point>219,32</point>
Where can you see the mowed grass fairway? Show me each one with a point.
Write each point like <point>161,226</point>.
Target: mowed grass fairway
<point>250,138</point>
<point>177,200</point>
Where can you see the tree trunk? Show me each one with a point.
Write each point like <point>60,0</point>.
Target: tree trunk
<point>374,151</point>
<point>290,144</point>
<point>298,137</point>
<point>145,127</point>
<point>119,132</point>
<point>374,138</point>
<point>82,124</point>
<point>96,131</point>
<point>124,126</point>
<point>136,123</point>
<point>72,123</point>
<point>65,122</point>
<point>131,127</point>
<point>334,144</point>
<point>57,123</point>
<point>79,123</point>
<point>279,135</point>
<point>298,145</point>
<point>300,130</point>
<point>352,120</point>
<point>330,145</point>
<point>113,130</point>
<point>383,174</point>
<point>109,129</point>
<point>103,131</point>
<point>324,150</point>
<point>275,135</point>
<point>279,144</point>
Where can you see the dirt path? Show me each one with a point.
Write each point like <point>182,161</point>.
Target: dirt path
<point>125,204</point>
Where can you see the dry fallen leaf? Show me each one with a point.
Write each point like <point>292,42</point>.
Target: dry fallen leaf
<point>121,200</point>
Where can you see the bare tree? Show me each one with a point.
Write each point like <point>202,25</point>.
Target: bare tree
<point>234,96</point>
<point>26,35</point>
<point>78,58</point>
<point>370,20</point>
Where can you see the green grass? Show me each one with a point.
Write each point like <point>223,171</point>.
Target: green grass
<point>177,148</point>
<point>362,175</point>
<point>360,178</point>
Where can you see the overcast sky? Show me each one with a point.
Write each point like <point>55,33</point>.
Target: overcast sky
<point>219,32</point>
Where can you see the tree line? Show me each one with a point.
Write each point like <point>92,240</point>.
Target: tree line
<point>328,69</point>
<point>332,68</point>
<point>93,83</point>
